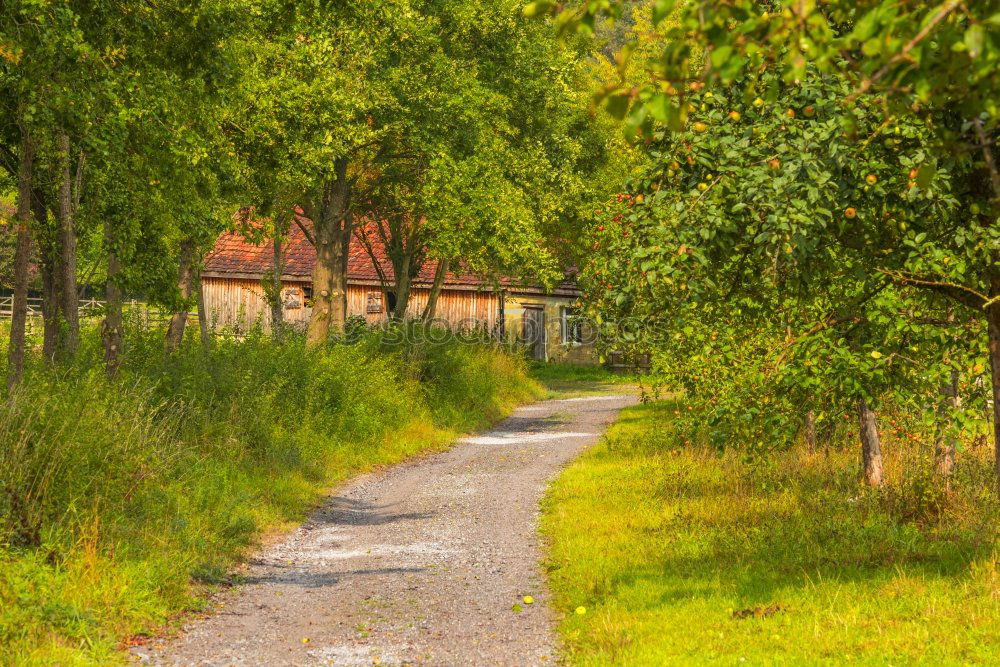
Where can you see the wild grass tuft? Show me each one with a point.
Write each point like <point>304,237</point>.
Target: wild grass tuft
<point>120,499</point>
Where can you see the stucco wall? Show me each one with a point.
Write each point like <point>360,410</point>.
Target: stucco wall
<point>552,306</point>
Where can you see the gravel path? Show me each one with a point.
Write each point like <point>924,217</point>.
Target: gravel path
<point>421,563</point>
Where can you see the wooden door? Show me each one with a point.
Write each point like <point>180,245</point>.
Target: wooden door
<point>533,333</point>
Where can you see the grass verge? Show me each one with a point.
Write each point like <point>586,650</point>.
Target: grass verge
<point>563,380</point>
<point>122,500</point>
<point>686,555</point>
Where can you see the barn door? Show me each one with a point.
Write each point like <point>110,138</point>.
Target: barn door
<point>534,332</point>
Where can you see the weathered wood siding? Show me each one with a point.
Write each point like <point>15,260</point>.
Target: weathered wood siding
<point>460,309</point>
<point>239,303</point>
<point>235,303</point>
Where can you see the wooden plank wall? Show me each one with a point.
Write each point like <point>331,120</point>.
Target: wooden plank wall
<point>234,303</point>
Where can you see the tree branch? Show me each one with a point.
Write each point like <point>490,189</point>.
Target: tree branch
<point>306,232</point>
<point>960,293</point>
<point>831,320</point>
<point>904,53</point>
<point>9,160</point>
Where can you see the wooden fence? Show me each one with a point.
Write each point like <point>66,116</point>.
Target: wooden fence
<point>92,309</point>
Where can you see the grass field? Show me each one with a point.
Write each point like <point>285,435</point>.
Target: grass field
<point>122,502</point>
<point>684,555</point>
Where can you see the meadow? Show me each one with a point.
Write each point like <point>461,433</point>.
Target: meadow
<point>687,554</point>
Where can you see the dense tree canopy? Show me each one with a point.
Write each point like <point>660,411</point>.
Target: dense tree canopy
<point>818,221</point>
<point>459,131</point>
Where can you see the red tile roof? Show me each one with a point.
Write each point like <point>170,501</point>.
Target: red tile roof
<point>235,254</point>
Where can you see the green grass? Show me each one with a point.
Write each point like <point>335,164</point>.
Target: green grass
<point>563,380</point>
<point>123,502</point>
<point>685,555</point>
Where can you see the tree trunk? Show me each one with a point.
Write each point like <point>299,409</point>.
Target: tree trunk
<point>332,234</point>
<point>871,449</point>
<point>993,322</point>
<point>49,264</point>
<point>432,298</point>
<point>810,431</point>
<point>22,256</point>
<point>277,307</point>
<point>338,296</point>
<point>185,283</point>
<point>70,306</point>
<point>112,333</point>
<point>203,322</point>
<point>945,450</point>
<point>402,287</point>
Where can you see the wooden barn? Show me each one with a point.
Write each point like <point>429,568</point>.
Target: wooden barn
<point>235,300</point>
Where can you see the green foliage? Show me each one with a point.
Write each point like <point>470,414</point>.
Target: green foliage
<point>776,259</point>
<point>118,497</point>
<point>942,53</point>
<point>769,559</point>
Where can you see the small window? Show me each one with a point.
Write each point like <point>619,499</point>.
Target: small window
<point>572,327</point>
<point>374,304</point>
<point>291,297</point>
<point>307,293</point>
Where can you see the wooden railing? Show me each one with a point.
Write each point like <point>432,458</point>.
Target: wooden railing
<point>90,308</point>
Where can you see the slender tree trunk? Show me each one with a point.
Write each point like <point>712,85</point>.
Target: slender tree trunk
<point>112,334</point>
<point>204,325</point>
<point>810,431</point>
<point>871,449</point>
<point>338,297</point>
<point>51,299</point>
<point>432,298</point>
<point>22,256</point>
<point>70,305</point>
<point>185,283</point>
<point>993,322</point>
<point>277,307</point>
<point>332,234</point>
<point>945,450</point>
<point>48,255</point>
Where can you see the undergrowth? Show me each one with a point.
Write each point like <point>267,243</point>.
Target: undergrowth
<point>121,500</point>
<point>685,554</point>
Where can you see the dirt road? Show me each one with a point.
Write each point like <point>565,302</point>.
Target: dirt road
<point>422,563</point>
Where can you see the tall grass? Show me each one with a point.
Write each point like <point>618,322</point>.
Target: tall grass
<point>120,499</point>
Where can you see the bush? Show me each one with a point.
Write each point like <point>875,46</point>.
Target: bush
<point>117,495</point>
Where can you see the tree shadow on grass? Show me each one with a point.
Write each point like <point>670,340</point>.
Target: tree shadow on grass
<point>787,552</point>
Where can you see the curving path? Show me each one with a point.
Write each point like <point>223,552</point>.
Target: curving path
<point>421,563</point>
